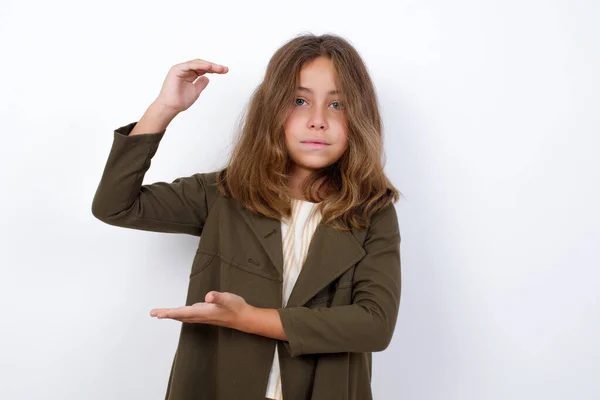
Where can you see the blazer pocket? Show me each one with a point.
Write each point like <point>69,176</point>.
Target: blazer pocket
<point>201,261</point>
<point>322,299</point>
<point>254,265</point>
<point>323,302</point>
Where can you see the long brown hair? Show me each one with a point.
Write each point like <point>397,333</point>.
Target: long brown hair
<point>257,173</point>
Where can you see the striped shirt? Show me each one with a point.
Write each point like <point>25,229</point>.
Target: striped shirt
<point>296,233</point>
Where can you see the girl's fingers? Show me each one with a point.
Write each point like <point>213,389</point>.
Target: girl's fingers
<point>168,312</point>
<point>158,312</point>
<point>204,62</point>
<point>178,312</point>
<point>202,67</point>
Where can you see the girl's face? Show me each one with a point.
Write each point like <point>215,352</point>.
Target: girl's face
<point>316,132</point>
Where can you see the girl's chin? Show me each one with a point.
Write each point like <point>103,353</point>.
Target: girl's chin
<point>311,163</point>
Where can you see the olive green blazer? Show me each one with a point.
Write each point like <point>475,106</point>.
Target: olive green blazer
<point>343,307</point>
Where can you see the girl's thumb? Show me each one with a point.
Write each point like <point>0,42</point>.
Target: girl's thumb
<point>212,297</point>
<point>201,83</point>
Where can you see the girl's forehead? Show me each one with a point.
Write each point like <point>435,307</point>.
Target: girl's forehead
<point>320,65</point>
<point>318,76</point>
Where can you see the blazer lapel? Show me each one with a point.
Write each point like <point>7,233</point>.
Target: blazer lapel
<point>268,232</point>
<point>330,253</point>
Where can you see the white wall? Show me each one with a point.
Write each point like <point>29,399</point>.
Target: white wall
<point>492,133</point>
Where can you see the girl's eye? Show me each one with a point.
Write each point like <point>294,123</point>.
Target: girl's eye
<point>337,105</point>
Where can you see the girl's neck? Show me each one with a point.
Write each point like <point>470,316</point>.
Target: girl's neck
<point>297,176</point>
<point>295,184</point>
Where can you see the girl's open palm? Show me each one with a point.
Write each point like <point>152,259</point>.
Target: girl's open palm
<point>220,308</point>
<point>184,83</point>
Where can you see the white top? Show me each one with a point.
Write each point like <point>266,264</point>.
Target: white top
<point>296,234</point>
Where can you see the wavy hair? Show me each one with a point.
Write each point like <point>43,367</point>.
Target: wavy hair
<point>257,173</point>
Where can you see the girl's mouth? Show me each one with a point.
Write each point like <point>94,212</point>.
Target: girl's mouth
<point>314,144</point>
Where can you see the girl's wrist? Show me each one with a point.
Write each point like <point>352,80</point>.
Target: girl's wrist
<point>245,318</point>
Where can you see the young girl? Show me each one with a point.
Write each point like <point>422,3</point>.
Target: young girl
<point>296,279</point>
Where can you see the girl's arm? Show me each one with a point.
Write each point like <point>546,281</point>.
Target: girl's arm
<point>177,207</point>
<point>121,200</point>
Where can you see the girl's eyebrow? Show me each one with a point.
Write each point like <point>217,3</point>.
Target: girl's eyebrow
<point>304,89</point>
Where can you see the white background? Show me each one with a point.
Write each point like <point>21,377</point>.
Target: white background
<point>492,119</point>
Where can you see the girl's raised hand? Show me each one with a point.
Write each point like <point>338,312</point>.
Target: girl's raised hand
<point>184,83</point>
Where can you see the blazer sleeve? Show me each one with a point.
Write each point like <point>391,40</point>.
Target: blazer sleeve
<point>178,207</point>
<point>367,325</point>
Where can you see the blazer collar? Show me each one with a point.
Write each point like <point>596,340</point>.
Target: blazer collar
<point>330,253</point>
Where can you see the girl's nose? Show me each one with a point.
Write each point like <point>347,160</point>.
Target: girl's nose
<point>317,120</point>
